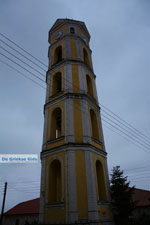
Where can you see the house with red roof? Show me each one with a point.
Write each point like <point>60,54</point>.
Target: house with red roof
<point>29,211</point>
<point>23,212</point>
<point>142,199</point>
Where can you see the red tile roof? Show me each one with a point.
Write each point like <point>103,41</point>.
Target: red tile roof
<point>28,207</point>
<point>33,206</point>
<point>142,197</point>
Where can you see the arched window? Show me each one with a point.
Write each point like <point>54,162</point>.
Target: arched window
<point>55,182</point>
<point>56,124</point>
<point>58,54</point>
<point>94,125</point>
<point>89,85</point>
<point>57,83</point>
<point>100,182</point>
<point>72,31</point>
<point>85,57</point>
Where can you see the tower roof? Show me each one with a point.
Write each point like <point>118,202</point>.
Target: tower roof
<point>60,22</point>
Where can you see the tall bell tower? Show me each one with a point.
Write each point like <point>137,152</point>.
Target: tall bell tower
<point>74,177</point>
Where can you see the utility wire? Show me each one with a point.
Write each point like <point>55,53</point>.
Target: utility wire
<point>22,67</point>
<point>120,134</point>
<point>44,76</point>
<point>126,135</point>
<point>66,81</point>
<point>22,61</point>
<point>36,189</point>
<point>22,74</point>
<point>135,129</point>
<point>135,136</point>
<point>22,182</point>
<point>123,123</point>
<point>23,50</point>
<point>22,54</point>
<point>139,179</point>
<point>76,106</point>
<point>4,36</point>
<point>44,82</point>
<point>137,168</point>
<point>139,176</point>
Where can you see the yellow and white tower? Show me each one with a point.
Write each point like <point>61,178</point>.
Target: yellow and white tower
<point>74,178</point>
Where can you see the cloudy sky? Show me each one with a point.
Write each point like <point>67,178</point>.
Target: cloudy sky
<point>120,34</point>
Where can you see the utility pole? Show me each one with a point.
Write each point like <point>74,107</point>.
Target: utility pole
<point>4,197</point>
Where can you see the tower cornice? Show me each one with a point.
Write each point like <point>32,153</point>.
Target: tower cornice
<point>64,96</point>
<point>72,61</point>
<point>74,147</point>
<point>68,61</point>
<point>77,37</point>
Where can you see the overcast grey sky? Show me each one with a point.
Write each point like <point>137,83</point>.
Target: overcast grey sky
<point>120,34</point>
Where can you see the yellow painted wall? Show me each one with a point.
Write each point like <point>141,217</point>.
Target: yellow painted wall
<point>78,130</point>
<point>73,49</point>
<point>54,97</point>
<point>75,79</point>
<point>57,213</point>
<point>63,29</point>
<point>55,144</point>
<point>95,144</point>
<point>82,201</point>
<point>80,31</point>
<point>104,212</point>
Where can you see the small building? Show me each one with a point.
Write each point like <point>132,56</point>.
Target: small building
<point>23,212</point>
<point>142,197</point>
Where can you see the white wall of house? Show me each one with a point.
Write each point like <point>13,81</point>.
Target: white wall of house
<point>12,219</point>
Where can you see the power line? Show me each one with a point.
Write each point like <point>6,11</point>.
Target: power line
<point>45,71</point>
<point>126,130</point>
<point>44,82</point>
<point>139,179</point>
<point>22,55</point>
<point>22,61</point>
<point>100,104</point>
<point>22,73</point>
<point>125,134</point>
<point>131,129</point>
<point>136,168</point>
<point>44,76</point>
<point>76,106</point>
<point>126,138</point>
<point>66,81</point>
<point>23,49</point>
<point>125,122</point>
<point>22,67</point>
